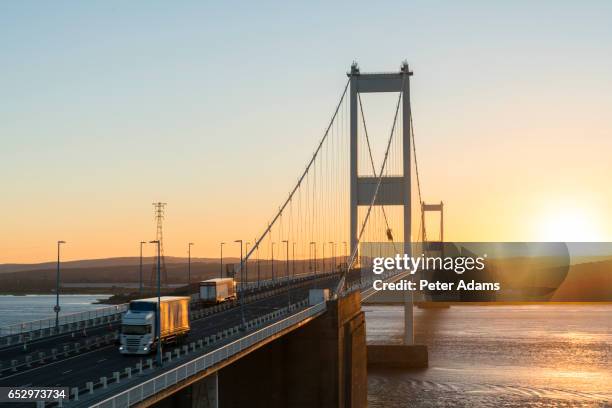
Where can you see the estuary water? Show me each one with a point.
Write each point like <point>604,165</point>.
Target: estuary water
<point>498,356</point>
<point>17,309</point>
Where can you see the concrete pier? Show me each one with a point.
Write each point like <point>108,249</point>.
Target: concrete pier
<point>397,356</point>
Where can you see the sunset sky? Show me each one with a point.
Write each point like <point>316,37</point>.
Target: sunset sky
<point>215,108</point>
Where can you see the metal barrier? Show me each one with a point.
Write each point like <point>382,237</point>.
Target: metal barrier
<point>49,323</point>
<point>150,387</point>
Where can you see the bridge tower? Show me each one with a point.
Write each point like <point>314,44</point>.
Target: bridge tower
<point>429,245</point>
<point>393,190</point>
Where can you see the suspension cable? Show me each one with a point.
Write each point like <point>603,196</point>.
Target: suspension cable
<point>306,170</point>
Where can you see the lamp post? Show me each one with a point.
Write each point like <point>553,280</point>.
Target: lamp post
<point>345,254</point>
<point>157,317</point>
<point>314,269</point>
<point>221,272</point>
<point>246,262</point>
<point>333,255</point>
<point>323,257</point>
<point>56,309</point>
<point>140,270</point>
<point>240,299</point>
<point>293,264</point>
<point>189,266</point>
<point>257,255</point>
<point>287,272</point>
<point>239,241</point>
<point>272,262</point>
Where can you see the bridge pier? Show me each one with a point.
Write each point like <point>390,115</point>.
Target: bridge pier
<point>323,364</point>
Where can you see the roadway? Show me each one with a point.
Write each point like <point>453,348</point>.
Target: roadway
<point>90,365</point>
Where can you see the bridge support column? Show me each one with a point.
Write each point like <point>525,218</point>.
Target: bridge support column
<point>205,393</point>
<point>321,364</point>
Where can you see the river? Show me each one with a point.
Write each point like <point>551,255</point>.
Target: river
<point>498,356</point>
<point>17,309</point>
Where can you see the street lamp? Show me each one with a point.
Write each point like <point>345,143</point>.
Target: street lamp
<point>241,300</point>
<point>314,269</point>
<point>293,264</point>
<point>246,262</point>
<point>189,267</point>
<point>333,255</point>
<point>287,271</point>
<point>345,254</point>
<point>323,257</point>
<point>257,255</point>
<point>140,270</point>
<point>239,241</point>
<point>273,262</point>
<point>221,272</point>
<point>157,317</point>
<point>56,309</point>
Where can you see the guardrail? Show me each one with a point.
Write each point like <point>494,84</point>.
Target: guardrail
<point>150,387</point>
<point>36,328</point>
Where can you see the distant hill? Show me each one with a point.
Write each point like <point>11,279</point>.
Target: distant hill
<point>104,262</point>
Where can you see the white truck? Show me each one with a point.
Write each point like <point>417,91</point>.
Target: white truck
<point>217,290</point>
<point>138,330</point>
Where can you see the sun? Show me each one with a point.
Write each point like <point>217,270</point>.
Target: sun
<point>567,225</point>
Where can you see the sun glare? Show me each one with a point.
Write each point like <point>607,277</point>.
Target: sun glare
<point>567,225</point>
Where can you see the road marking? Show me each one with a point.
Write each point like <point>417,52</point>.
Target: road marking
<point>55,362</point>
<point>67,371</point>
<point>101,360</point>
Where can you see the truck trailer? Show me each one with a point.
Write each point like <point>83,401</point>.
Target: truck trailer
<point>217,290</point>
<point>138,325</point>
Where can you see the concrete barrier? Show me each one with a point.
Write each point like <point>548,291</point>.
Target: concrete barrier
<point>75,393</point>
<point>150,363</point>
<point>128,372</point>
<point>41,356</point>
<point>89,386</point>
<point>103,382</point>
<point>117,376</point>
<point>139,368</point>
<point>13,365</point>
<point>177,352</point>
<point>66,350</point>
<point>186,349</point>
<point>193,346</point>
<point>168,356</point>
<point>54,354</point>
<point>28,361</point>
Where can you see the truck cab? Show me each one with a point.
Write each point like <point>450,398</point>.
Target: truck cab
<point>138,330</point>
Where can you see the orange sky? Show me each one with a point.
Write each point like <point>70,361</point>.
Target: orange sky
<point>513,127</point>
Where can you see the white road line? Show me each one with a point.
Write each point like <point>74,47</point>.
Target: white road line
<point>101,360</point>
<point>55,362</point>
<point>67,371</point>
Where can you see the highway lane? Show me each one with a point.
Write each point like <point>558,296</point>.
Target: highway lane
<point>48,343</point>
<point>58,342</point>
<point>91,365</point>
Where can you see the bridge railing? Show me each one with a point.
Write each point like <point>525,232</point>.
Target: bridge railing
<point>282,279</point>
<point>150,387</point>
<point>36,328</point>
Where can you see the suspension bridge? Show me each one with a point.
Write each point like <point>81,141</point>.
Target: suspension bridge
<point>296,339</point>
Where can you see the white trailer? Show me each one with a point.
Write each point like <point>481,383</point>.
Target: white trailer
<point>138,324</point>
<point>217,290</point>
